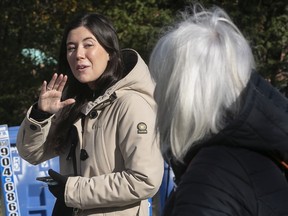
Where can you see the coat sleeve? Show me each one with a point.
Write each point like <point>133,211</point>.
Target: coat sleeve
<point>31,140</point>
<point>143,162</point>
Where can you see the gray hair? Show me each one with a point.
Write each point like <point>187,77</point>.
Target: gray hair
<point>200,67</point>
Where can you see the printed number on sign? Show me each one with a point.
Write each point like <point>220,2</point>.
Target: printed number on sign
<point>12,206</point>
<point>4,151</point>
<point>9,186</point>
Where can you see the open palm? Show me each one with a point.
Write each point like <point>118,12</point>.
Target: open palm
<point>51,93</point>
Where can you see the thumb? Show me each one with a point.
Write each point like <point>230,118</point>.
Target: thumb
<point>67,102</point>
<point>57,176</point>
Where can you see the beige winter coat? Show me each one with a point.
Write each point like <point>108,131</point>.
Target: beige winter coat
<point>124,166</point>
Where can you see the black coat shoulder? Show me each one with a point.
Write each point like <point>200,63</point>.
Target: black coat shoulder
<point>234,181</point>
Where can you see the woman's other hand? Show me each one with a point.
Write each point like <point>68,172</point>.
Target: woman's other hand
<point>51,93</point>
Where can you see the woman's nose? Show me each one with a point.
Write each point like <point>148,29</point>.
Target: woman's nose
<point>80,53</point>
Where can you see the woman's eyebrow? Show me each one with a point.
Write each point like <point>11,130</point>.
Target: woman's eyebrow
<point>87,38</point>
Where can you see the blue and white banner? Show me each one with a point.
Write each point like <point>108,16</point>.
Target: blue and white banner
<point>9,191</point>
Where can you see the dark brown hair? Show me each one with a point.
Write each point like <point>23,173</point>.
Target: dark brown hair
<point>106,35</point>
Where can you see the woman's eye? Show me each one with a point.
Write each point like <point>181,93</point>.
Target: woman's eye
<point>69,49</point>
<point>88,45</point>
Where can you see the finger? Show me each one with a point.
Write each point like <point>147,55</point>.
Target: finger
<point>55,175</point>
<point>67,102</point>
<point>43,88</point>
<point>63,83</point>
<point>52,82</point>
<point>58,81</point>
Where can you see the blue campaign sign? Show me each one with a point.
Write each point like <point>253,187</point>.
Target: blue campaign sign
<point>10,196</point>
<point>23,194</point>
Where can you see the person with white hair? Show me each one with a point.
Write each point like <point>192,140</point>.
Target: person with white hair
<point>223,128</point>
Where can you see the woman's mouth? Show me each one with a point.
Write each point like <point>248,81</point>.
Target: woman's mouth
<point>81,67</point>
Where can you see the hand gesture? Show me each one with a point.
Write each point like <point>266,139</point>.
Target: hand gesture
<point>51,93</point>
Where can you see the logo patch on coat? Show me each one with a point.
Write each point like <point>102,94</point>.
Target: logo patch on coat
<point>142,128</point>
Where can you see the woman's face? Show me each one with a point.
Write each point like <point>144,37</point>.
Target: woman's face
<point>86,57</point>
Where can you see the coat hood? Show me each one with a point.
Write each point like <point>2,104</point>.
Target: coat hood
<point>137,79</point>
<point>261,125</point>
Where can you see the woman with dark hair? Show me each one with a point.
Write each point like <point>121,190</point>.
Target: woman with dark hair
<point>100,122</point>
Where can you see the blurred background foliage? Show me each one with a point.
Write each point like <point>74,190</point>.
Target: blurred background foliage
<point>30,34</point>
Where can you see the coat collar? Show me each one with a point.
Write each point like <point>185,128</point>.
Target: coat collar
<point>261,125</point>
<point>137,79</point>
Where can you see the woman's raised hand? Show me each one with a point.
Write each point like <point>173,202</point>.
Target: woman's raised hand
<point>50,95</point>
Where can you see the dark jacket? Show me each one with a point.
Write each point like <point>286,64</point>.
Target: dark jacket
<point>238,171</point>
